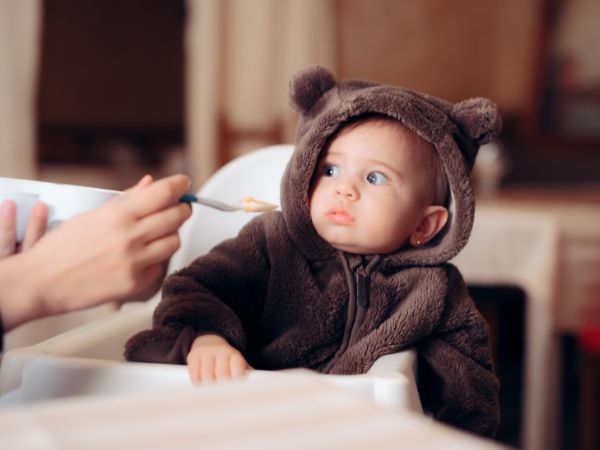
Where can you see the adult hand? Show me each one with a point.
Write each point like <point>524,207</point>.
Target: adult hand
<point>111,253</point>
<point>36,227</point>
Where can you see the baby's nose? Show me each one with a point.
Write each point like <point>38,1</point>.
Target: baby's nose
<point>347,191</point>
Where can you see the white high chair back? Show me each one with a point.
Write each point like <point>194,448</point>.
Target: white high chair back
<point>256,174</point>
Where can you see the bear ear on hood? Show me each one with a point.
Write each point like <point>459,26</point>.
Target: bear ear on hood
<point>478,118</point>
<point>307,87</point>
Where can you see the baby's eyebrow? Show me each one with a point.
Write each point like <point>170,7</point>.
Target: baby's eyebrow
<point>328,154</point>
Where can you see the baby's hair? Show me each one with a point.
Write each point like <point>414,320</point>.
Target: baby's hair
<point>427,155</point>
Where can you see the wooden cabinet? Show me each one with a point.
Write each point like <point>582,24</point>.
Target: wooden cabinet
<point>111,72</point>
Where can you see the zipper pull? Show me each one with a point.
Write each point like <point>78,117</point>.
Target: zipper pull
<point>362,291</point>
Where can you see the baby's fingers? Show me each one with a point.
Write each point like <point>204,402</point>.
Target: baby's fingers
<point>222,369</point>
<point>201,369</point>
<point>230,366</point>
<point>194,370</point>
<point>238,366</point>
<point>207,369</point>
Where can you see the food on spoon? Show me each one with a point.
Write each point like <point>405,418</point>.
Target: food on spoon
<point>250,204</point>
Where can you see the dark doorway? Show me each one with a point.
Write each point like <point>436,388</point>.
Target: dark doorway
<point>504,309</point>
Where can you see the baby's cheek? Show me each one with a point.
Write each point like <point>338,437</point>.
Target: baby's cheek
<point>314,203</point>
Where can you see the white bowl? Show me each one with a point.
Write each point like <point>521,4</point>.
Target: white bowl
<point>64,200</point>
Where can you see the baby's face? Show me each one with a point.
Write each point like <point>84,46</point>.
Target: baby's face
<point>368,193</point>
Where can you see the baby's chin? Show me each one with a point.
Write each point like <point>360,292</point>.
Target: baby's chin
<point>358,249</point>
<point>369,249</point>
<point>349,244</point>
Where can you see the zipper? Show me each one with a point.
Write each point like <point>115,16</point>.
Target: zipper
<point>362,291</point>
<point>357,306</point>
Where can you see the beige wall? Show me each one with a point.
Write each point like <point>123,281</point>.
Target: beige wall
<point>453,49</point>
<point>19,33</point>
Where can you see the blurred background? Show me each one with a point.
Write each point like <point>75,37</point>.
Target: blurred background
<point>100,92</point>
<point>112,89</point>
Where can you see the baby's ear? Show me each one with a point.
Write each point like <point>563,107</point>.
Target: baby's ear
<point>478,118</point>
<point>308,85</point>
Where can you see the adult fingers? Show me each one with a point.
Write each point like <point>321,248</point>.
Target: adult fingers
<point>149,283</point>
<point>146,180</point>
<point>36,226</point>
<point>159,250</point>
<point>157,196</point>
<point>163,223</point>
<point>8,228</point>
<point>149,280</point>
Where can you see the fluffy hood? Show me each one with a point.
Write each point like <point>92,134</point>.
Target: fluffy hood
<point>456,130</point>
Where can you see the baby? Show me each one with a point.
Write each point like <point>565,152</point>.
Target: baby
<point>375,200</point>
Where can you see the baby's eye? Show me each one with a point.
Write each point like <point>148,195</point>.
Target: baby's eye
<point>330,170</point>
<point>377,178</point>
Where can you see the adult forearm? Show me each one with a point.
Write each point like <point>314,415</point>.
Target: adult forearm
<point>21,292</point>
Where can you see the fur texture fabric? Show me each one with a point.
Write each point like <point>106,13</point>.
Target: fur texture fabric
<point>286,298</point>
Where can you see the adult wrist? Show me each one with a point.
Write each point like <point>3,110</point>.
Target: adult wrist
<point>21,294</point>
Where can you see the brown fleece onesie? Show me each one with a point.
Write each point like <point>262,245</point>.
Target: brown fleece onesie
<point>286,298</point>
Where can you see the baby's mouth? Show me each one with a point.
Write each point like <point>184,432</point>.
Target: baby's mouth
<point>339,215</point>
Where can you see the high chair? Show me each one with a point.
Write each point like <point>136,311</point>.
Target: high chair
<point>88,360</point>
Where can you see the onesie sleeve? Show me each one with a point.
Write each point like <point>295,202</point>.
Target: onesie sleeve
<point>220,293</point>
<point>457,380</point>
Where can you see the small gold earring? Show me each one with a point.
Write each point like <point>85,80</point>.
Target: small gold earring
<point>418,241</point>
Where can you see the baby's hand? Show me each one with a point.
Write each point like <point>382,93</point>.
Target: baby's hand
<point>212,358</point>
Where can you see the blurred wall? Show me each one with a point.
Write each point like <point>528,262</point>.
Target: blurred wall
<point>452,49</point>
<point>19,34</point>
<point>455,50</point>
<point>238,56</point>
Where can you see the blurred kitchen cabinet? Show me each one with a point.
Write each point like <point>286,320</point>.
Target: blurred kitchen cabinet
<point>111,74</point>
